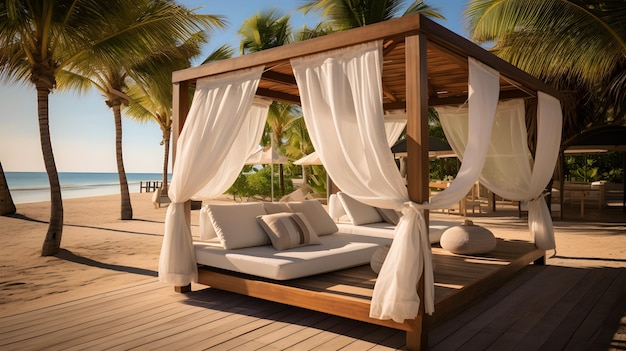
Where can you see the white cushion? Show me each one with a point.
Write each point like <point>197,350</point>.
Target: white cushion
<point>337,251</point>
<point>389,215</point>
<point>236,225</point>
<point>335,208</point>
<point>207,231</point>
<point>316,215</point>
<point>359,213</point>
<point>435,229</point>
<point>288,230</point>
<point>276,207</point>
<point>468,240</point>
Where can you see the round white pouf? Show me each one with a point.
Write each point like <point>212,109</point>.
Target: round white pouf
<point>468,239</point>
<point>378,258</point>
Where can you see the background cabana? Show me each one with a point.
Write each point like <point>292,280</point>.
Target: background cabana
<point>413,64</point>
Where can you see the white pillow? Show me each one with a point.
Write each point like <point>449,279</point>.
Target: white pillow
<point>358,212</point>
<point>236,225</point>
<point>335,208</point>
<point>276,207</point>
<point>207,231</point>
<point>288,230</point>
<point>316,215</point>
<point>389,215</point>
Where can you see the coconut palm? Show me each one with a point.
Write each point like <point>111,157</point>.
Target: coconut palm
<point>577,46</point>
<point>160,25</point>
<point>299,143</point>
<point>264,30</point>
<point>280,117</point>
<point>223,52</point>
<point>38,39</point>
<point>6,201</point>
<point>346,14</point>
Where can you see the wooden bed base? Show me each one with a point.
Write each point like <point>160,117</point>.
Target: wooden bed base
<point>347,293</point>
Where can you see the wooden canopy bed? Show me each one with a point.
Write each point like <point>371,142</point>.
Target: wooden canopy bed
<point>424,65</point>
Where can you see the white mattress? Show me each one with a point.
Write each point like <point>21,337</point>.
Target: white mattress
<point>350,247</point>
<point>337,251</point>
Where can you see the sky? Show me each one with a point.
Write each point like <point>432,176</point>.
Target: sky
<point>82,127</point>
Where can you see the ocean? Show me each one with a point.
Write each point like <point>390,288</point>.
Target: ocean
<point>34,187</point>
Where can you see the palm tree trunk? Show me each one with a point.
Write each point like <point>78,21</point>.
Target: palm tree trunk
<point>127,209</point>
<point>166,157</point>
<point>52,242</point>
<point>7,206</point>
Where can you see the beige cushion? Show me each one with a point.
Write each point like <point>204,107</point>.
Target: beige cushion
<point>468,239</point>
<point>389,215</point>
<point>335,208</point>
<point>316,215</point>
<point>276,207</point>
<point>236,225</point>
<point>358,212</point>
<point>288,230</point>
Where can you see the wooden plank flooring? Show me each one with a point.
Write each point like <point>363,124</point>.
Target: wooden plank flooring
<point>541,308</point>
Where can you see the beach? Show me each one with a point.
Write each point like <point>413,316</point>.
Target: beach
<point>100,252</point>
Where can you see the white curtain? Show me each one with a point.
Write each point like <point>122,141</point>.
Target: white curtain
<point>341,97</point>
<point>393,128</point>
<point>248,137</point>
<point>218,136</point>
<point>510,170</point>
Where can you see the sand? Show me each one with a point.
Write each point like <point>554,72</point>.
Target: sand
<point>101,253</point>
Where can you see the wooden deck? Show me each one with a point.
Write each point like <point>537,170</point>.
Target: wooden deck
<point>541,307</point>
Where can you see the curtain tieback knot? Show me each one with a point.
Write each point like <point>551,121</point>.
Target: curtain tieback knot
<point>539,197</point>
<point>410,205</point>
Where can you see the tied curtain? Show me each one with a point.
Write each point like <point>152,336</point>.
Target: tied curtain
<point>341,95</point>
<point>218,136</point>
<point>509,169</point>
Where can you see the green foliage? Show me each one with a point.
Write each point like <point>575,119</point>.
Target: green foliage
<point>588,168</point>
<point>586,173</point>
<point>578,47</point>
<point>256,183</point>
<point>317,179</point>
<point>442,168</point>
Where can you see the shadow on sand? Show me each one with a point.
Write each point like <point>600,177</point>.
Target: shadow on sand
<point>70,256</point>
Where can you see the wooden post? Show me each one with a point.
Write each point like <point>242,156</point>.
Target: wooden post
<point>417,155</point>
<point>180,109</point>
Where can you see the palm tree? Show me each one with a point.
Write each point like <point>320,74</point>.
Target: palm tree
<point>38,39</point>
<point>577,46</point>
<point>280,117</point>
<point>223,52</point>
<point>162,24</point>
<point>6,201</point>
<point>264,30</point>
<point>299,143</point>
<point>346,14</point>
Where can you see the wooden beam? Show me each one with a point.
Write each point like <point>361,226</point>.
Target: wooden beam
<point>281,78</point>
<point>397,27</point>
<point>454,100</point>
<point>278,96</point>
<point>339,305</point>
<point>417,153</point>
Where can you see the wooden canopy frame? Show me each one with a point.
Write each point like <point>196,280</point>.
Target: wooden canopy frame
<point>424,65</point>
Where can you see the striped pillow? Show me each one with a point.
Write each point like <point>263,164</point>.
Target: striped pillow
<point>288,230</point>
